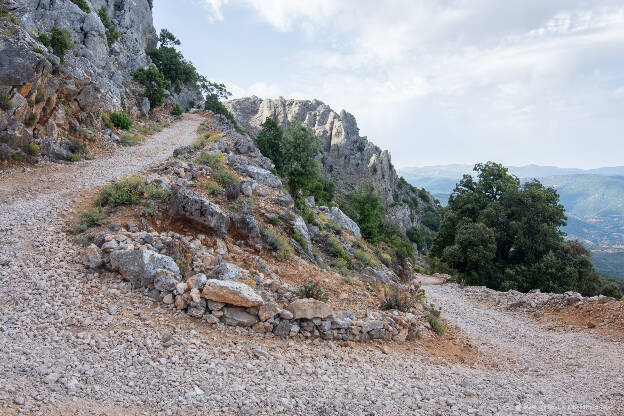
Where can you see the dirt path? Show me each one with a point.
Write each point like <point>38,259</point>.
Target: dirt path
<point>77,343</point>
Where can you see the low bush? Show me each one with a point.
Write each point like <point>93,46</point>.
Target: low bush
<point>84,6</point>
<point>437,325</point>
<point>277,242</point>
<point>154,84</point>
<point>112,34</point>
<point>313,290</point>
<point>128,140</point>
<point>216,161</point>
<point>365,258</point>
<point>339,264</point>
<point>335,249</point>
<point>107,121</point>
<point>177,110</point>
<point>60,41</point>
<point>78,150</point>
<point>5,102</point>
<point>205,140</point>
<point>121,120</point>
<point>90,218</point>
<point>300,240</point>
<point>401,299</point>
<point>31,149</point>
<point>18,157</point>
<point>31,120</point>
<point>129,191</point>
<point>212,188</point>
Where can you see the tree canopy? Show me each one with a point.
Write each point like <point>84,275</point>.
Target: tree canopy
<point>500,233</point>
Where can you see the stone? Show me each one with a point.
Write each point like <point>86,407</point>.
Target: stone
<point>344,221</point>
<point>187,204</point>
<point>309,309</point>
<point>180,302</point>
<point>195,295</point>
<point>165,280</point>
<point>53,151</point>
<point>246,225</point>
<point>267,311</point>
<point>211,319</point>
<point>227,271</point>
<point>238,317</point>
<point>140,266</point>
<point>286,314</point>
<point>196,309</point>
<point>16,135</point>
<point>300,227</point>
<point>199,281</point>
<point>91,257</point>
<point>372,325</point>
<point>283,329</point>
<point>168,299</point>
<point>263,176</point>
<point>215,306</point>
<point>231,292</point>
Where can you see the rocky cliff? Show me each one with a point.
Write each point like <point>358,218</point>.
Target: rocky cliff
<point>48,97</point>
<point>347,157</point>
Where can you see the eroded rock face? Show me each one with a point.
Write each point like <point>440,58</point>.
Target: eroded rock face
<point>309,309</point>
<point>345,222</point>
<point>235,293</point>
<point>190,205</point>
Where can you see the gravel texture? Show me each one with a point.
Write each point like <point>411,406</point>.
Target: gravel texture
<point>79,343</point>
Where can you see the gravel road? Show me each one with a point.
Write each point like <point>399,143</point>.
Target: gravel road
<point>77,343</point>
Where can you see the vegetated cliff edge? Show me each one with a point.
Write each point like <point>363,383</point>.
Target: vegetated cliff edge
<point>347,157</point>
<point>53,87</point>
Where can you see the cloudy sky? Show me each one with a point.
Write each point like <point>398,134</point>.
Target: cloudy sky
<point>435,82</point>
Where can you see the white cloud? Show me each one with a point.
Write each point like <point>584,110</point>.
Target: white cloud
<point>214,7</point>
<point>262,89</point>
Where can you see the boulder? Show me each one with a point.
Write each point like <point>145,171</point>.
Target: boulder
<point>238,317</point>
<point>140,266</point>
<point>372,325</point>
<point>234,293</point>
<point>300,227</point>
<point>267,311</point>
<point>263,176</point>
<point>309,309</point>
<point>227,271</point>
<point>16,135</point>
<point>165,280</point>
<point>283,329</point>
<point>246,225</point>
<point>91,257</point>
<point>53,150</point>
<point>189,205</point>
<point>345,222</point>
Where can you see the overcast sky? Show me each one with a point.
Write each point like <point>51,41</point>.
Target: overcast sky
<point>435,82</point>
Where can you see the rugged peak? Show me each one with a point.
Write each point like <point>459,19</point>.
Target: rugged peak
<point>347,157</point>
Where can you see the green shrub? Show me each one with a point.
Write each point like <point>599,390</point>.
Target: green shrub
<point>335,249</point>
<point>339,264</point>
<point>205,140</point>
<point>276,241</point>
<point>90,218</point>
<point>31,120</point>
<point>365,258</point>
<point>437,325</point>
<point>611,290</point>
<point>121,120</point>
<point>216,161</point>
<point>107,121</point>
<point>129,191</point>
<point>60,41</point>
<point>5,102</point>
<point>401,299</point>
<point>31,149</point>
<point>78,149</point>
<point>212,188</point>
<point>154,84</point>
<point>177,110</point>
<point>300,240</point>
<point>18,157</point>
<point>171,63</point>
<point>313,290</point>
<point>83,5</point>
<point>128,140</point>
<point>112,34</point>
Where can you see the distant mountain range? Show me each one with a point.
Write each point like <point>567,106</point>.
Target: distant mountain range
<point>593,198</point>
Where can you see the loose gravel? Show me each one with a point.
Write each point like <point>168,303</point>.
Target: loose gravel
<point>86,344</point>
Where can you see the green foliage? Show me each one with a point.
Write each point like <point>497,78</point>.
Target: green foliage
<point>121,120</point>
<point>431,218</point>
<point>154,84</point>
<point>499,233</point>
<point>6,14</point>
<point>300,240</point>
<point>107,121</point>
<point>313,290</point>
<point>78,150</point>
<point>31,120</point>
<point>18,157</point>
<point>128,140</point>
<point>177,110</point>
<point>151,3</point>
<point>90,218</point>
<point>5,102</point>
<point>437,325</point>
<point>112,34</point>
<point>365,208</point>
<point>60,41</point>
<point>31,149</point>
<point>416,235</point>
<point>335,248</point>
<point>277,242</point>
<point>205,140</point>
<point>270,142</point>
<point>365,258</point>
<point>171,63</point>
<point>216,161</point>
<point>400,299</point>
<point>611,290</point>
<point>83,5</point>
<point>129,191</point>
<point>212,188</point>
